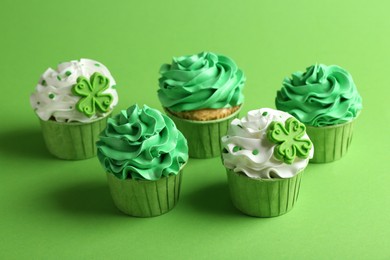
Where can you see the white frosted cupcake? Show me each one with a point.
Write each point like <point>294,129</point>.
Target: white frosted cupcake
<point>72,103</point>
<point>265,154</point>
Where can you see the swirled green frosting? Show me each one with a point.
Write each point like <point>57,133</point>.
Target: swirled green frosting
<point>142,143</point>
<point>204,80</point>
<point>320,96</point>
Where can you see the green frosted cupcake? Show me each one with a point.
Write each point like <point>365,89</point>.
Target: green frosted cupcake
<point>265,154</point>
<point>326,100</point>
<point>202,94</point>
<point>73,103</point>
<point>143,154</point>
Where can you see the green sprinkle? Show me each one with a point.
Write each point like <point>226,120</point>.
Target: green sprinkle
<point>38,103</point>
<point>68,73</point>
<point>240,126</point>
<point>44,83</point>
<point>236,149</point>
<point>97,64</point>
<point>255,152</point>
<point>51,95</point>
<point>265,113</point>
<point>70,107</point>
<point>58,77</point>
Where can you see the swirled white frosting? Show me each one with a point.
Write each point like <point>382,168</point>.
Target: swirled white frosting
<point>248,150</point>
<point>53,97</point>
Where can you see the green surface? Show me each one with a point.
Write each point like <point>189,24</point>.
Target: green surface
<point>59,209</point>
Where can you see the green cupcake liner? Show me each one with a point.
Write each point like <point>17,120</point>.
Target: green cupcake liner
<point>330,142</point>
<point>72,141</point>
<point>143,198</point>
<point>203,137</point>
<point>263,197</point>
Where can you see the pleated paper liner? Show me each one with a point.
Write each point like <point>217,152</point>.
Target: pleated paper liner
<point>263,197</point>
<point>72,141</point>
<point>203,137</point>
<point>331,143</point>
<point>143,198</point>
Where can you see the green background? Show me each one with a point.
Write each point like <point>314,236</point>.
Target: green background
<point>53,208</point>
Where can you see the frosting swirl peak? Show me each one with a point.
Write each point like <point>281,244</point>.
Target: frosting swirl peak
<point>204,80</point>
<point>320,96</point>
<point>142,143</point>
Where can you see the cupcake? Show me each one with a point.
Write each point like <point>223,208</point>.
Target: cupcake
<point>72,104</point>
<point>265,154</point>
<point>326,100</point>
<point>143,154</point>
<point>202,93</point>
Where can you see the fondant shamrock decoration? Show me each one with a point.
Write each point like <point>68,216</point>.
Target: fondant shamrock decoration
<point>92,96</point>
<point>289,140</point>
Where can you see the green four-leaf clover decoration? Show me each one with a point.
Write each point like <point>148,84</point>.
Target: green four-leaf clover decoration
<point>288,140</point>
<point>92,96</point>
